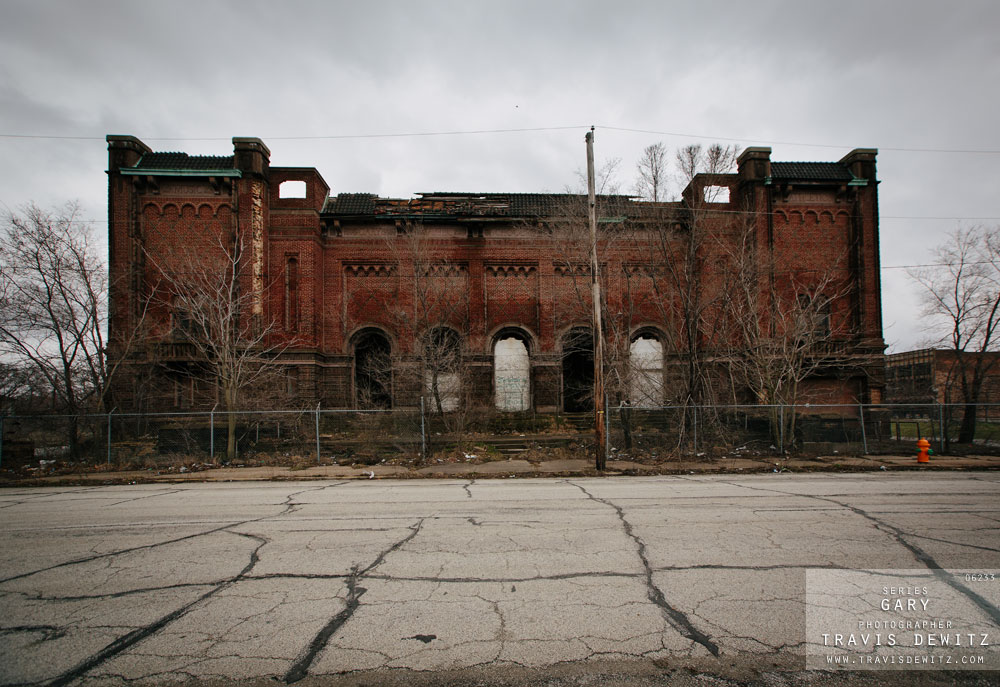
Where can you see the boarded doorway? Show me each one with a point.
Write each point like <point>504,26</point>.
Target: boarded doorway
<point>511,373</point>
<point>646,371</point>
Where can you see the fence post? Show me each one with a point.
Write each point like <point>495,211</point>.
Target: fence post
<point>109,434</point>
<point>423,433</point>
<point>781,429</point>
<point>211,433</point>
<point>941,428</point>
<point>1,439</point>
<point>607,429</point>
<point>864,436</point>
<point>317,432</point>
<point>694,426</point>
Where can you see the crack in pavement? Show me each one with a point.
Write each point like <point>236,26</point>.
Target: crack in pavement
<point>140,498</point>
<point>900,536</point>
<point>677,619</point>
<point>507,580</point>
<point>28,498</point>
<point>97,557</point>
<point>468,492</point>
<point>137,635</point>
<point>115,595</point>
<point>992,611</point>
<point>300,668</point>
<point>131,638</point>
<point>289,507</point>
<point>49,631</point>
<point>955,543</point>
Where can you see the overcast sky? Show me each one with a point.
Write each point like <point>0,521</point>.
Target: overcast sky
<point>810,79</point>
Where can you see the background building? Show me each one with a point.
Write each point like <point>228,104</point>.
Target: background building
<point>757,286</point>
<point>931,375</point>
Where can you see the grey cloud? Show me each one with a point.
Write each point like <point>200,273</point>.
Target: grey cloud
<point>849,74</point>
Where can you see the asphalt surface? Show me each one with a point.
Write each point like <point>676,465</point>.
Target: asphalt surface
<point>617,581</point>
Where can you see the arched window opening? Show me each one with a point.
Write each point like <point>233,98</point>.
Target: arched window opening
<point>372,370</point>
<point>443,369</point>
<point>646,372</point>
<point>292,295</point>
<point>578,371</point>
<point>512,374</point>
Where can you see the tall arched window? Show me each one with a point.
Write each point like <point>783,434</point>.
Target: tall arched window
<point>646,371</point>
<point>292,295</point>
<point>578,370</point>
<point>511,373</point>
<point>372,370</point>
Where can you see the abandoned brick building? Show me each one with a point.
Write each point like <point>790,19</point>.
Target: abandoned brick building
<point>483,298</point>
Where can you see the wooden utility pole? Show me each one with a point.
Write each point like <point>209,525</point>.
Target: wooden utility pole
<point>600,438</point>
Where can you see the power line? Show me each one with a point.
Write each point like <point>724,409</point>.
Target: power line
<point>471,132</point>
<point>939,264</point>
<point>897,149</point>
<point>468,132</point>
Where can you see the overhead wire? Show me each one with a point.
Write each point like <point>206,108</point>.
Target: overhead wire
<point>470,132</point>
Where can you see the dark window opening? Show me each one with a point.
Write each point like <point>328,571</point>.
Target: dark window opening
<point>292,295</point>
<point>816,311</point>
<point>578,371</point>
<point>373,371</point>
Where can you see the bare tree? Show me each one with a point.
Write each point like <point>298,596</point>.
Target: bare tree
<point>962,298</point>
<point>663,254</point>
<point>53,306</point>
<point>21,387</point>
<point>568,232</point>
<point>778,333</point>
<point>211,305</point>
<point>606,181</point>
<point>652,173</point>
<point>434,312</point>
<point>715,159</point>
<point>684,241</point>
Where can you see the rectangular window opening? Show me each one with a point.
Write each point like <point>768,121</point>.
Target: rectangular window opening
<point>716,194</point>
<point>292,189</point>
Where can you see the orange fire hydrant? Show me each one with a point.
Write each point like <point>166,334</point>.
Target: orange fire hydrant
<point>923,448</point>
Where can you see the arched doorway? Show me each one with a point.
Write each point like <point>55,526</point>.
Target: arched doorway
<point>578,371</point>
<point>372,370</point>
<point>511,372</point>
<point>646,371</point>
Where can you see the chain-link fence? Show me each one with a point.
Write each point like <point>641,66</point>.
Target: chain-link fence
<point>780,429</point>
<point>154,439</point>
<point>318,435</point>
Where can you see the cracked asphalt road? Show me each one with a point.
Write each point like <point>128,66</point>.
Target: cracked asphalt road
<point>486,582</point>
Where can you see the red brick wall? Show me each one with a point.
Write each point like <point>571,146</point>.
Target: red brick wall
<point>360,273</point>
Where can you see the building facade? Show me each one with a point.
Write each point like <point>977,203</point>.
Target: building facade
<point>484,298</point>
<point>934,375</point>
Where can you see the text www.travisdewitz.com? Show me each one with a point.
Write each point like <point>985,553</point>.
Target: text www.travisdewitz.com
<point>905,660</point>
